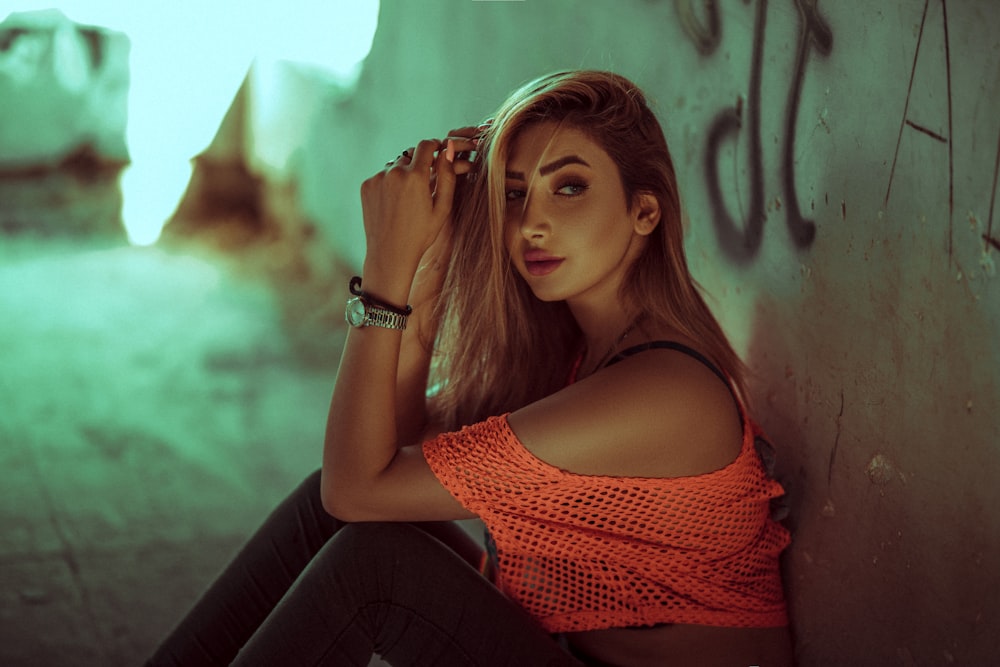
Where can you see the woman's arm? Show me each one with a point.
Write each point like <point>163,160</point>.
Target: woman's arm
<point>381,383</point>
<point>417,345</point>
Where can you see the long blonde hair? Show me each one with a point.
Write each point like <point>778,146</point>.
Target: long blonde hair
<point>498,347</point>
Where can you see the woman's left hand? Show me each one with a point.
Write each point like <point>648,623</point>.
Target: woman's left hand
<point>434,263</point>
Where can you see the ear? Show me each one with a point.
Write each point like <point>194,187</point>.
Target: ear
<point>645,213</point>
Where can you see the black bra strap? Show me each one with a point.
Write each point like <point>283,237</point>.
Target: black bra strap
<point>668,345</point>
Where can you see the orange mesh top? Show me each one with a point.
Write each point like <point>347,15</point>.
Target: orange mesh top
<point>584,552</point>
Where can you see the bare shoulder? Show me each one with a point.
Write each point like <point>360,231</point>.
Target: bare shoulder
<point>659,413</point>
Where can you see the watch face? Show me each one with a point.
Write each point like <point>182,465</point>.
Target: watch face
<point>355,313</point>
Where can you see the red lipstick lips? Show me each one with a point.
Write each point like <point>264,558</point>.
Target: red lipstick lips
<point>540,263</point>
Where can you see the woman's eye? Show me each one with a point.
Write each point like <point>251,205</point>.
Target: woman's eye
<point>571,189</point>
<point>514,194</point>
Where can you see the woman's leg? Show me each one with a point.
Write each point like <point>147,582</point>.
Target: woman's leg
<point>239,600</point>
<point>395,590</point>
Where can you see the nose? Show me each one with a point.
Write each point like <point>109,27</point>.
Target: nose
<point>534,224</point>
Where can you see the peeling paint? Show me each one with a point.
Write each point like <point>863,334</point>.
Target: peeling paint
<point>829,510</point>
<point>881,470</point>
<point>987,264</point>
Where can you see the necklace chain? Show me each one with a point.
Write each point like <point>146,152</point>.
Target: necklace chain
<point>614,346</point>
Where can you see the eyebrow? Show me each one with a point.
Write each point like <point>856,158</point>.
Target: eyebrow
<point>547,169</point>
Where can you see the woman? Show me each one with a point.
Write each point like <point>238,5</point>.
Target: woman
<point>583,402</point>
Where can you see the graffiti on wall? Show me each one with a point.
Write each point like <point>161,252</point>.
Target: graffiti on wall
<point>740,236</point>
<point>909,124</point>
<point>741,239</point>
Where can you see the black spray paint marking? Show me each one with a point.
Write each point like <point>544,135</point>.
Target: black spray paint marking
<point>706,38</point>
<point>906,122</point>
<point>741,240</point>
<point>988,237</point>
<point>836,442</point>
<point>740,245</point>
<point>928,132</point>
<point>813,32</point>
<point>951,135</point>
<point>906,105</point>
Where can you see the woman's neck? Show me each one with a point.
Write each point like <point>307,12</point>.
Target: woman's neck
<point>604,331</point>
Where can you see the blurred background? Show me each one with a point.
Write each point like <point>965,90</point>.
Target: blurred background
<point>179,217</point>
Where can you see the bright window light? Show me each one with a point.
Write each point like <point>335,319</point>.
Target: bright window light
<point>188,59</point>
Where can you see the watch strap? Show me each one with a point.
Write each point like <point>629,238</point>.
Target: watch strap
<point>355,287</point>
<point>377,316</point>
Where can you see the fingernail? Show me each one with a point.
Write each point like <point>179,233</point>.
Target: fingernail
<point>450,152</point>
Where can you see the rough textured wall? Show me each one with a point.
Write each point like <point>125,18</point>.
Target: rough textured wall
<point>839,167</point>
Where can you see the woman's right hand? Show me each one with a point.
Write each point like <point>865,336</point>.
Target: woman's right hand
<point>406,208</point>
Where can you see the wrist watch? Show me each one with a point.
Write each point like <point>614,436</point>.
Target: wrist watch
<point>361,313</point>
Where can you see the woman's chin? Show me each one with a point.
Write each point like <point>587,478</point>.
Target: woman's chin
<point>547,296</point>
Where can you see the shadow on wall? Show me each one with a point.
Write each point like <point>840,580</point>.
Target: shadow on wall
<point>889,469</point>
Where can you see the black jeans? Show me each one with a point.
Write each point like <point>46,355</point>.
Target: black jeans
<point>308,589</point>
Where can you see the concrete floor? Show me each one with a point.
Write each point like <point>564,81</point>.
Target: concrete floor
<point>152,411</point>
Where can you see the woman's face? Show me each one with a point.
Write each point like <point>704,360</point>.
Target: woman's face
<point>569,230</point>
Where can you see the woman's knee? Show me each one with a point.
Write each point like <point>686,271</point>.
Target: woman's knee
<point>301,514</point>
<point>402,548</point>
<point>368,537</point>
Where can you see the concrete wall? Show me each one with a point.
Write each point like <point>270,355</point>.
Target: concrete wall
<point>839,166</point>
